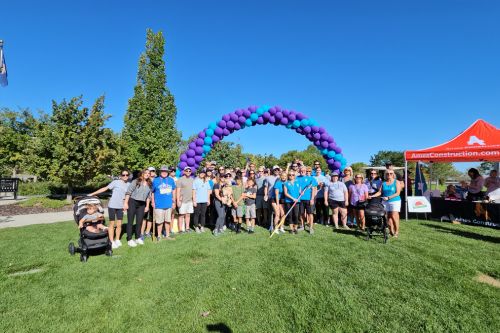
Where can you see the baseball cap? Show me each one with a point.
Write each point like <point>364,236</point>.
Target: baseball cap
<point>151,169</point>
<point>163,168</point>
<point>186,168</point>
<point>335,173</point>
<point>276,167</point>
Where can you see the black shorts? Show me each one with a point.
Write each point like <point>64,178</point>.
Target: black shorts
<point>115,213</point>
<point>305,206</point>
<point>336,204</point>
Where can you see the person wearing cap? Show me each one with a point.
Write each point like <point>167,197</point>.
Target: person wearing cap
<point>337,198</point>
<point>238,209</point>
<point>291,190</point>
<point>269,182</point>
<point>201,200</point>
<point>164,194</point>
<point>308,185</point>
<point>185,199</point>
<point>261,204</point>
<point>149,216</point>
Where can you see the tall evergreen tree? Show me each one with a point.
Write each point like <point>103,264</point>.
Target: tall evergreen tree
<point>150,136</point>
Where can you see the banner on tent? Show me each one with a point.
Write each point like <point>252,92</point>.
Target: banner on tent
<point>419,205</point>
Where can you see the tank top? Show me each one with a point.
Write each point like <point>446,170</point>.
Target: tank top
<point>390,189</point>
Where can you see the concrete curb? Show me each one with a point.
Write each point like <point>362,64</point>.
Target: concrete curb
<point>29,219</point>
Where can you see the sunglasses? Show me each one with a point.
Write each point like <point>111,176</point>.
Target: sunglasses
<point>373,173</point>
<point>252,173</point>
<point>294,166</point>
<point>188,170</point>
<point>124,174</point>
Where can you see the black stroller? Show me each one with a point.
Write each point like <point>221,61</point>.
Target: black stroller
<point>376,221</point>
<point>89,241</point>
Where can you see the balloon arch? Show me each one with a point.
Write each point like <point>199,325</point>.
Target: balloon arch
<point>253,115</point>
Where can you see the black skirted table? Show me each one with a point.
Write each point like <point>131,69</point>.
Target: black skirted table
<point>467,212</point>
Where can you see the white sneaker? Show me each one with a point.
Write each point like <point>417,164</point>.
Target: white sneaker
<point>118,243</point>
<point>132,243</point>
<point>139,241</point>
<point>114,245</point>
<point>202,229</point>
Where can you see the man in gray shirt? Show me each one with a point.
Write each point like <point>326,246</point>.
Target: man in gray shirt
<point>185,199</point>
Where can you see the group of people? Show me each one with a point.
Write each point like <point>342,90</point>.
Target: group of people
<point>229,198</point>
<point>473,190</point>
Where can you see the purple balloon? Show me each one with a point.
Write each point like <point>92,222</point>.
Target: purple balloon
<point>278,115</point>
<point>300,116</point>
<point>226,117</point>
<point>266,121</point>
<point>317,143</point>
<point>330,161</point>
<point>266,115</point>
<point>198,150</point>
<point>324,136</point>
<point>239,113</point>
<point>337,149</point>
<point>260,120</point>
<point>292,116</point>
<point>215,138</point>
<point>330,139</point>
<point>191,162</point>
<point>190,153</point>
<point>246,114</point>
<point>307,129</point>
<point>322,130</point>
<point>273,111</point>
<point>252,108</point>
<point>230,125</point>
<point>222,123</point>
<point>226,132</point>
<point>324,144</point>
<point>309,137</point>
<point>198,158</point>
<point>299,130</point>
<point>202,135</point>
<point>200,142</point>
<point>242,120</point>
<point>184,157</point>
<point>331,146</point>
<point>315,129</point>
<point>337,164</point>
<point>272,108</point>
<point>272,119</point>
<point>218,131</point>
<point>317,136</point>
<point>234,117</point>
<point>192,145</point>
<point>284,121</point>
<point>286,113</point>
<point>182,165</point>
<point>277,108</point>
<point>237,126</point>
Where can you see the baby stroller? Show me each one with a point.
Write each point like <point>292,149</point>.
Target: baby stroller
<point>89,241</point>
<point>376,222</point>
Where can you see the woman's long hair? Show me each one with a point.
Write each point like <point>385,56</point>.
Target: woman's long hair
<point>140,179</point>
<point>474,172</point>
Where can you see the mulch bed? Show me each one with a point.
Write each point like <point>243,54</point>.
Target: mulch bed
<point>15,209</point>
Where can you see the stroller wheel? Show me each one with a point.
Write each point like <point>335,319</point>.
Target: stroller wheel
<point>71,248</point>
<point>83,258</point>
<point>109,253</point>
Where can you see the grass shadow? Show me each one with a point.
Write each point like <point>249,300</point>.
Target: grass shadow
<point>462,233</point>
<point>220,327</point>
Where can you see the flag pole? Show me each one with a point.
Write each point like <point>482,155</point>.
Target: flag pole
<point>406,190</point>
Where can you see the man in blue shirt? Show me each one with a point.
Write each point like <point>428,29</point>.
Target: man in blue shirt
<point>308,184</point>
<point>291,191</point>
<point>163,192</point>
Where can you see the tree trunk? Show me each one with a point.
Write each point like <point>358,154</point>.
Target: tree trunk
<point>69,194</point>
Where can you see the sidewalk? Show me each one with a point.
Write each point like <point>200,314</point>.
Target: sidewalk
<point>42,218</point>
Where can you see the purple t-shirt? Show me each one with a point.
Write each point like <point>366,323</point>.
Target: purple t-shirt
<point>358,193</point>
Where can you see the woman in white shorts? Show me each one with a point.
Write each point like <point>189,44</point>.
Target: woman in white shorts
<point>390,191</point>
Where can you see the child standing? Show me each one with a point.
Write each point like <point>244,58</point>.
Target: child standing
<point>250,213</point>
<point>238,203</point>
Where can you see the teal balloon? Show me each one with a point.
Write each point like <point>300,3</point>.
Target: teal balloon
<point>324,151</point>
<point>212,126</point>
<point>248,122</point>
<point>254,116</point>
<point>331,154</point>
<point>206,148</point>
<point>313,122</point>
<point>296,124</point>
<point>178,173</point>
<point>289,125</point>
<point>209,132</point>
<point>304,122</point>
<point>265,108</point>
<point>338,157</point>
<point>260,111</point>
<point>204,154</point>
<point>342,167</point>
<point>208,141</point>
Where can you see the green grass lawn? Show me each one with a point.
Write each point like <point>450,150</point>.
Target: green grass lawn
<point>328,282</point>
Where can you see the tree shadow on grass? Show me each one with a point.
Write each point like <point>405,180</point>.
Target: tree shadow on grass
<point>220,327</point>
<point>462,233</point>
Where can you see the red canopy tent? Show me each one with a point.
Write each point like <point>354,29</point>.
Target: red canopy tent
<point>479,142</point>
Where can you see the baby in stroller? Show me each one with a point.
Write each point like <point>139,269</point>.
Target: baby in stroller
<point>92,221</point>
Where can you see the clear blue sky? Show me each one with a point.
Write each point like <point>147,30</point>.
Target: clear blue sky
<point>379,75</point>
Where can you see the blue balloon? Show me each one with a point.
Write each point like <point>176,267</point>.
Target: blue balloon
<point>248,122</point>
<point>260,111</point>
<point>208,140</point>
<point>331,154</point>
<point>213,125</point>
<point>324,151</point>
<point>296,124</point>
<point>206,148</point>
<point>304,122</point>
<point>178,173</point>
<point>289,125</point>
<point>254,117</point>
<point>337,157</point>
<point>209,132</point>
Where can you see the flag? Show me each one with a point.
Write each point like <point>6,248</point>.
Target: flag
<point>3,67</point>
<point>420,184</point>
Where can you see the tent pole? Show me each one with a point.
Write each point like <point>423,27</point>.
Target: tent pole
<point>406,190</point>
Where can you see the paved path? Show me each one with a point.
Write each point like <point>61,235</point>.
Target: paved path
<point>42,218</point>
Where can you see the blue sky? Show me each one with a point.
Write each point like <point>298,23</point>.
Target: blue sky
<point>379,75</point>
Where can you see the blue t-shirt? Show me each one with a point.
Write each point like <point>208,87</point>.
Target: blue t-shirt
<point>278,185</point>
<point>163,189</point>
<point>201,189</point>
<point>304,182</point>
<point>293,190</point>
